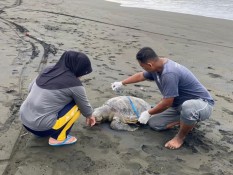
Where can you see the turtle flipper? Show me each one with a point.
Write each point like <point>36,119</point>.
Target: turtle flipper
<point>116,124</point>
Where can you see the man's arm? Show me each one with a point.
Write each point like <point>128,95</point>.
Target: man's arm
<point>164,104</point>
<point>170,91</point>
<point>138,77</point>
<point>116,86</point>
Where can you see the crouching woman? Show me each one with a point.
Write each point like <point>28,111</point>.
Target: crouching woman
<point>57,98</point>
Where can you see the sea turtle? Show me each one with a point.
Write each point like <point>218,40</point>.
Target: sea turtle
<point>121,111</point>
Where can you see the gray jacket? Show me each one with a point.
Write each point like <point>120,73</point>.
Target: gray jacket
<point>40,109</point>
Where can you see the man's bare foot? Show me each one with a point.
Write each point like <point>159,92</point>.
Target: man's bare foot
<point>174,143</point>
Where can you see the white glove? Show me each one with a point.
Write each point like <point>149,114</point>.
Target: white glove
<point>117,86</point>
<point>144,117</point>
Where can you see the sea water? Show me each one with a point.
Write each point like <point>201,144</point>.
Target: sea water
<point>222,9</point>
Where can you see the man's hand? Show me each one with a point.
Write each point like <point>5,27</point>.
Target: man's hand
<point>144,117</point>
<point>116,86</point>
<point>90,121</point>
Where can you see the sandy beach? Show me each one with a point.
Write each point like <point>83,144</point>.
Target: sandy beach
<point>35,34</point>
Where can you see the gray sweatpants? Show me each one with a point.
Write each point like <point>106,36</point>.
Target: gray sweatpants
<point>190,112</point>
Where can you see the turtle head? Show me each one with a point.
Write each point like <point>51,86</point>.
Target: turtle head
<point>98,115</point>
<point>101,114</point>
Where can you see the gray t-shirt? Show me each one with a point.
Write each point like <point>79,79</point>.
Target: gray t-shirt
<point>179,82</point>
<point>40,109</point>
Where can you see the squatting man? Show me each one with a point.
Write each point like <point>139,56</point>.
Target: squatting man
<point>185,100</point>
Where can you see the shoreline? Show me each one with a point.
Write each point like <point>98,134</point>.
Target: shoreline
<point>183,13</point>
<point>106,33</point>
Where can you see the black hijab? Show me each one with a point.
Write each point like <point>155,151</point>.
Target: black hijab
<point>65,72</point>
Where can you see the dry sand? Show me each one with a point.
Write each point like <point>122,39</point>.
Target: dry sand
<point>111,35</point>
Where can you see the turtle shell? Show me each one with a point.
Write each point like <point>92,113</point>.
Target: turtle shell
<point>124,107</point>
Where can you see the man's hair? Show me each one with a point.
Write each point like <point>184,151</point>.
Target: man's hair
<point>146,54</point>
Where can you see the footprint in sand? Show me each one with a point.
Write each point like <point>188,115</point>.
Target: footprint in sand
<point>136,168</point>
<point>149,149</point>
<point>87,80</point>
<point>113,78</point>
<point>98,91</point>
<point>112,63</point>
<point>197,142</point>
<point>15,72</point>
<point>228,99</point>
<point>227,111</point>
<point>227,136</point>
<point>11,91</point>
<point>212,75</point>
<point>209,67</point>
<point>112,56</point>
<point>102,73</point>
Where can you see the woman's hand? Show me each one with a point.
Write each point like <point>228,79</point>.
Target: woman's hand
<point>90,121</point>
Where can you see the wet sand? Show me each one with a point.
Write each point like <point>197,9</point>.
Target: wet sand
<point>111,35</point>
